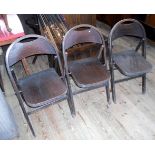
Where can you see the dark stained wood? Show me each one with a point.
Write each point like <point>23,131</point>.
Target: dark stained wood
<point>76,19</point>
<point>40,88</point>
<point>88,72</point>
<point>112,19</point>
<point>83,51</point>
<point>149,24</point>
<point>131,63</point>
<point>150,20</point>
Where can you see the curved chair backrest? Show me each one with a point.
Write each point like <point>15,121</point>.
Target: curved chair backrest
<point>127,27</point>
<point>82,33</point>
<point>32,45</point>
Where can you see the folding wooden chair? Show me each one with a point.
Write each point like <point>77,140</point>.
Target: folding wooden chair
<point>129,62</point>
<point>87,73</point>
<point>41,89</point>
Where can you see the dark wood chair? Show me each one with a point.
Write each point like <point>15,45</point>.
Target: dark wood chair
<point>41,89</point>
<point>87,73</point>
<point>130,62</point>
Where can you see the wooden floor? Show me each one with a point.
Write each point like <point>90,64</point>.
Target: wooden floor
<point>133,117</point>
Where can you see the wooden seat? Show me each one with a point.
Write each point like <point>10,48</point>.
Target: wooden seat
<point>43,87</point>
<point>38,89</point>
<point>130,62</point>
<point>88,72</point>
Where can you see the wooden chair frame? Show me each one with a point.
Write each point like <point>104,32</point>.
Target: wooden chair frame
<point>72,39</point>
<point>18,52</point>
<point>133,28</point>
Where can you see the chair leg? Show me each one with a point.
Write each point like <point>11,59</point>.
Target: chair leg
<point>113,84</point>
<point>144,84</point>
<point>1,83</point>
<point>70,99</point>
<point>107,93</point>
<point>27,118</point>
<point>71,105</point>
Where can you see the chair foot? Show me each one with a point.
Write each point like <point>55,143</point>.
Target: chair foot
<point>30,126</point>
<point>114,98</point>
<point>113,95</point>
<point>33,133</point>
<point>108,93</point>
<point>143,90</point>
<point>27,118</point>
<point>109,102</point>
<point>71,107</point>
<point>73,115</point>
<point>115,102</point>
<point>107,106</point>
<point>144,84</point>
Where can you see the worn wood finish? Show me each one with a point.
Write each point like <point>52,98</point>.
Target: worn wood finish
<point>112,19</point>
<point>76,19</point>
<point>40,88</point>
<point>88,72</point>
<point>131,63</point>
